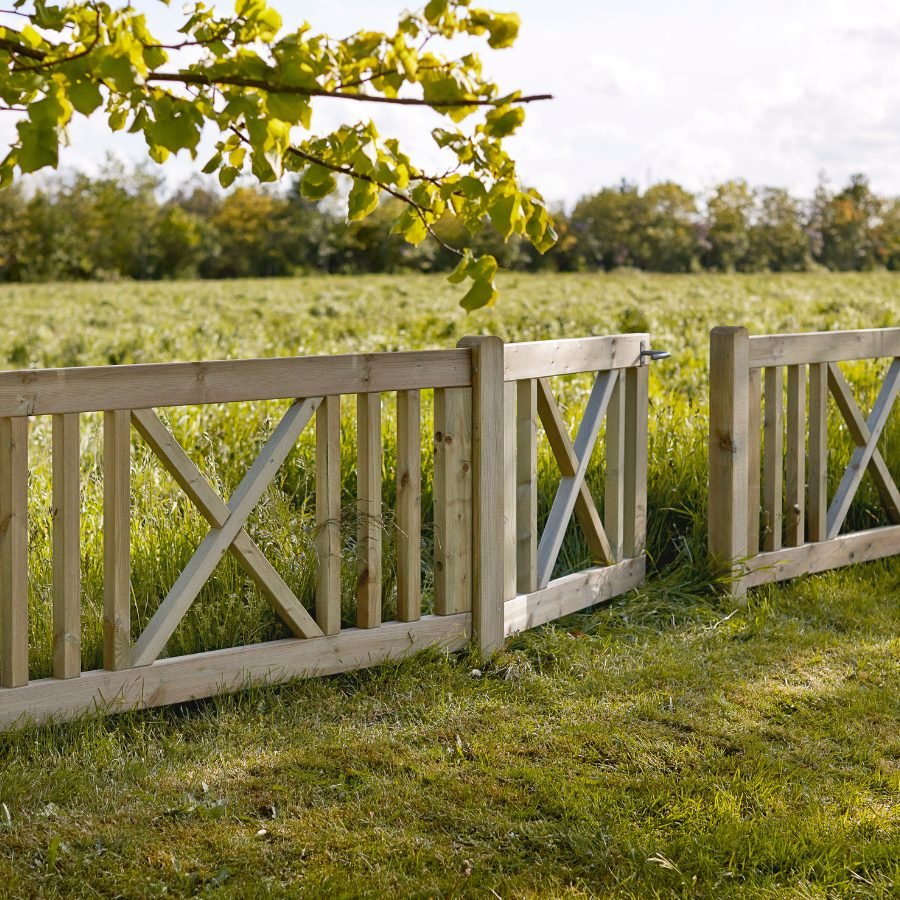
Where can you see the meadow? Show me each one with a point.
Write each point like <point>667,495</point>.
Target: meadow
<point>666,744</point>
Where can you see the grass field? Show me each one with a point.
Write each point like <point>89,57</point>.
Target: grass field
<point>665,745</point>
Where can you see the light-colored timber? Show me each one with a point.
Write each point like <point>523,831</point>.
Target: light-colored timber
<point>452,501</point>
<point>35,392</point>
<point>214,509</point>
<point>572,593</point>
<point>409,506</point>
<point>567,460</point>
<point>13,552</point>
<point>795,482</point>
<point>636,412</point>
<point>368,510</point>
<point>754,460</point>
<point>614,487</point>
<point>773,461</point>
<point>197,572</point>
<point>328,515</point>
<point>183,678</point>
<point>116,540</point>
<point>728,448</point>
<point>66,546</point>
<point>526,486</point>
<point>510,487</point>
<point>807,559</point>
<point>823,346</point>
<point>817,507</point>
<point>544,359</point>
<point>488,487</point>
<point>570,486</point>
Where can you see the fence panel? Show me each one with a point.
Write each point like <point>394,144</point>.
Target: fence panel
<point>802,532</point>
<point>493,571</point>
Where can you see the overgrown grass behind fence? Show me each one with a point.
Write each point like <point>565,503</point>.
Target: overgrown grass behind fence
<point>114,324</point>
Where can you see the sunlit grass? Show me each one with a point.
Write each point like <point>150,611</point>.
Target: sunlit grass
<point>667,744</point>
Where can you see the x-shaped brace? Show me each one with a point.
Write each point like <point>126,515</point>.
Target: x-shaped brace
<point>227,532</point>
<point>865,455</point>
<point>572,494</point>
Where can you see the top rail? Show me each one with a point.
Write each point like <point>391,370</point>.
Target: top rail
<point>823,347</point>
<point>33,392</point>
<point>544,359</point>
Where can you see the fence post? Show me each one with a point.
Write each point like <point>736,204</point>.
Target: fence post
<point>729,474</point>
<point>487,492</point>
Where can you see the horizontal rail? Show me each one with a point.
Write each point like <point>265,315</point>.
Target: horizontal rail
<point>183,678</point>
<point>571,594</point>
<point>544,359</point>
<point>34,392</point>
<point>823,346</point>
<point>807,559</point>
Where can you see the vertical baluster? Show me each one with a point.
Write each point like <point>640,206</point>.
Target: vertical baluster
<point>409,506</point>
<point>328,515</point>
<point>510,475</point>
<point>818,451</point>
<point>13,552</point>
<point>116,540</point>
<point>636,415</point>
<point>66,545</point>
<point>754,461</point>
<point>526,485</point>
<point>488,608</point>
<point>614,491</point>
<point>368,467</point>
<point>452,500</point>
<point>774,457</point>
<point>795,485</point>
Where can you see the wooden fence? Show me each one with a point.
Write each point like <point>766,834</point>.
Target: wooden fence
<point>493,571</point>
<point>769,515</point>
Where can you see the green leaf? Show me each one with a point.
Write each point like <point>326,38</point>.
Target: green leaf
<point>227,176</point>
<point>505,214</point>
<point>363,199</point>
<point>481,294</point>
<point>317,182</point>
<point>85,97</point>
<point>291,108</point>
<point>38,146</point>
<point>435,9</point>
<point>504,121</point>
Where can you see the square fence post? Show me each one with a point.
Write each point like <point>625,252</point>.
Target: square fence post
<point>729,473</point>
<point>487,492</point>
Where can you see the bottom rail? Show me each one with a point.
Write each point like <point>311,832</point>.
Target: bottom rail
<point>199,675</point>
<point>807,559</point>
<point>572,593</point>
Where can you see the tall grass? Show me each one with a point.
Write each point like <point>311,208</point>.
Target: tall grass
<point>111,324</point>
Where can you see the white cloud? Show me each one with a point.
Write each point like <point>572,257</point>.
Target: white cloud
<point>696,91</point>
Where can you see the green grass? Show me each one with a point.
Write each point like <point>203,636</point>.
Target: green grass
<point>665,745</point>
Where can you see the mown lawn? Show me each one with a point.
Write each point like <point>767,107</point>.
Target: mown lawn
<point>669,744</point>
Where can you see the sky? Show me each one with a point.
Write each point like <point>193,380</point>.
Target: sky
<point>698,91</point>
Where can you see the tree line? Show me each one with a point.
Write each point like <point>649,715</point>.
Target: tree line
<point>116,225</point>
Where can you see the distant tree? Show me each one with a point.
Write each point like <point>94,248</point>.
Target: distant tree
<point>242,76</point>
<point>887,236</point>
<point>778,240</point>
<point>604,226</point>
<point>729,219</point>
<point>666,239</point>
<point>845,225</point>
<point>13,218</point>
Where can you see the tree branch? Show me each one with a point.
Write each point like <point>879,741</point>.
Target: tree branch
<point>188,78</point>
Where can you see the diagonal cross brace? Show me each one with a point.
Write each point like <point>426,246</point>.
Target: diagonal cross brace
<point>201,565</point>
<point>864,453</point>
<point>189,478</point>
<point>561,445</point>
<point>572,485</point>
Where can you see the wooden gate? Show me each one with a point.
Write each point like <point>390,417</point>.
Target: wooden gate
<point>493,573</point>
<point>770,517</point>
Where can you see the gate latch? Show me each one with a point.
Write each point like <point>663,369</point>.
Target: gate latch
<point>655,355</point>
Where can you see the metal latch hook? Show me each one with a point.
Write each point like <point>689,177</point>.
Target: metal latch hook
<point>655,355</point>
